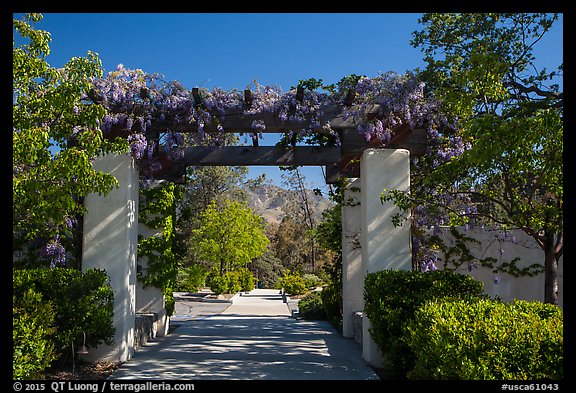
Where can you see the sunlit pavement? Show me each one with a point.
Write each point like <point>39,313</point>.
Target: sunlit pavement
<point>253,339</point>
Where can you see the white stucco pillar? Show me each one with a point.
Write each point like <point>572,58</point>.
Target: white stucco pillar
<point>383,246</point>
<point>352,271</point>
<point>110,243</point>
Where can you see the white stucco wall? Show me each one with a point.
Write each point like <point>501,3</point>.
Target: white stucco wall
<point>110,243</point>
<point>383,246</point>
<point>353,273</point>
<point>508,287</point>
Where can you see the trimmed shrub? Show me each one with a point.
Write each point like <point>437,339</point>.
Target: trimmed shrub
<point>332,301</point>
<point>32,332</point>
<point>231,282</point>
<point>310,307</point>
<point>311,280</point>
<point>82,301</point>
<point>292,283</point>
<point>190,278</point>
<point>246,279</point>
<point>218,283</point>
<point>391,298</point>
<point>486,339</point>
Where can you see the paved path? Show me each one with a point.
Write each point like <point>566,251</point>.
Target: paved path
<point>253,339</point>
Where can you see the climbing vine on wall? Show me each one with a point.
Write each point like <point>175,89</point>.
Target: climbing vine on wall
<point>158,210</point>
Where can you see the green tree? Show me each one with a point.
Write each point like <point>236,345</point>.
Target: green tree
<point>230,236</point>
<point>510,116</point>
<point>291,244</point>
<point>55,136</point>
<point>204,184</point>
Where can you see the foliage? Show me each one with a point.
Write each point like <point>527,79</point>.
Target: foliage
<point>267,269</point>
<point>190,278</point>
<point>311,280</point>
<point>246,279</point>
<point>203,186</point>
<point>331,296</point>
<point>231,282</point>
<point>55,136</point>
<point>291,244</point>
<point>310,307</point>
<point>455,255</point>
<point>223,283</point>
<point>83,302</point>
<point>229,236</point>
<point>157,210</point>
<point>32,331</point>
<point>486,339</point>
<point>329,231</point>
<point>506,170</point>
<point>292,283</point>
<point>391,298</point>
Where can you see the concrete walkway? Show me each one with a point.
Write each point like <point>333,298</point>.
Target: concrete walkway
<point>253,339</point>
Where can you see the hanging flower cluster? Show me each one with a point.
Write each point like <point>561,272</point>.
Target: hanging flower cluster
<point>136,101</point>
<point>54,253</point>
<point>140,104</point>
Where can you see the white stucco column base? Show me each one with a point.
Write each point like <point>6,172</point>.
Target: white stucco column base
<point>110,243</point>
<point>383,246</point>
<point>352,271</point>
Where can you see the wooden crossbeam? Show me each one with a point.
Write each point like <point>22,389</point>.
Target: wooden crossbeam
<point>247,155</point>
<point>260,155</point>
<point>350,169</point>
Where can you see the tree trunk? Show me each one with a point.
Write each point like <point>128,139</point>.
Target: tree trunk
<point>551,258</point>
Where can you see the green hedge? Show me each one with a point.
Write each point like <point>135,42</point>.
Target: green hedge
<point>83,302</point>
<point>292,283</point>
<point>231,282</point>
<point>331,297</point>
<point>310,307</point>
<point>392,297</point>
<point>32,329</point>
<point>486,339</point>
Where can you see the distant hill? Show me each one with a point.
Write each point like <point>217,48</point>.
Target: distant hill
<point>272,202</point>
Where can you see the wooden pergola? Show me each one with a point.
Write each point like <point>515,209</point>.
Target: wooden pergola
<point>111,227</point>
<point>339,161</point>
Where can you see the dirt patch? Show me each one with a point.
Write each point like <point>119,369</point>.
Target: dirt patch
<point>82,371</point>
<point>222,296</point>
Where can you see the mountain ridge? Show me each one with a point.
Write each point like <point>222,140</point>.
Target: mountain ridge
<point>273,202</point>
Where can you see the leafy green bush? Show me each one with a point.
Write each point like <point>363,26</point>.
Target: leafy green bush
<point>311,280</point>
<point>391,297</point>
<point>83,303</point>
<point>218,283</point>
<point>246,279</point>
<point>486,339</point>
<point>310,307</point>
<point>231,282</point>
<point>292,283</point>
<point>331,296</point>
<point>191,278</point>
<point>32,332</point>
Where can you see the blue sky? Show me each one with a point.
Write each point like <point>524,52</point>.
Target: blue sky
<point>231,50</point>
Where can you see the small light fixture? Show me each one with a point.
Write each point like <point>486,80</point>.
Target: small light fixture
<point>83,349</point>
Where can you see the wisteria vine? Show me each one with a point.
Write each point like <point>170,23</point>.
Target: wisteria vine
<point>136,101</point>
<point>139,104</point>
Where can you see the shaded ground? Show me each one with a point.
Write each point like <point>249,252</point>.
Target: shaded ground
<point>187,307</point>
<point>204,327</point>
<point>82,371</point>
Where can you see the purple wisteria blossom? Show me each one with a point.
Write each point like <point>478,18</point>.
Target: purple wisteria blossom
<point>138,145</point>
<point>428,263</point>
<point>54,253</point>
